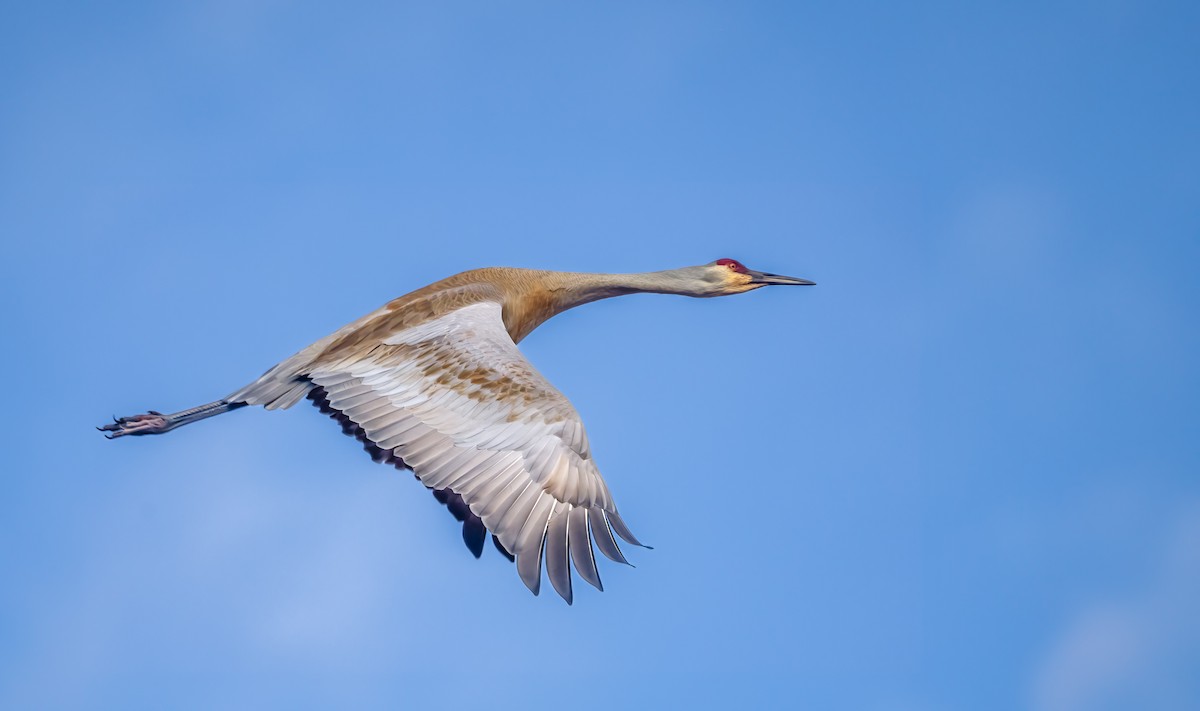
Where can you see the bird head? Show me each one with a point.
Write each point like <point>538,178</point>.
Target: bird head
<point>729,276</point>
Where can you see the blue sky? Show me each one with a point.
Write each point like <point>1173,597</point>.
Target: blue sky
<point>960,473</point>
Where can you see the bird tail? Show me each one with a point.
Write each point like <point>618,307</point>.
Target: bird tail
<point>278,389</point>
<point>273,395</point>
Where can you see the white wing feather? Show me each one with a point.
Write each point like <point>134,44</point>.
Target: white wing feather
<point>457,402</point>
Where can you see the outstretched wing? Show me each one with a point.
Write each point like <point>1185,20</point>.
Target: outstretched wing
<point>455,400</point>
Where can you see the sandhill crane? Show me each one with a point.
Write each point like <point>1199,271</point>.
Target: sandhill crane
<point>434,382</point>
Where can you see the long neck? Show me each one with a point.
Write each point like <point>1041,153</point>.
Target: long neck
<point>552,293</point>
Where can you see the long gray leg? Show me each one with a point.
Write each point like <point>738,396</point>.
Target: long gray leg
<point>157,423</point>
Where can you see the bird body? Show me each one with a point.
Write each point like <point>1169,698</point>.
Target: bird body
<point>433,381</point>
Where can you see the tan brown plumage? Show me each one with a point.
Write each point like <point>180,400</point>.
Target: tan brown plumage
<point>433,382</point>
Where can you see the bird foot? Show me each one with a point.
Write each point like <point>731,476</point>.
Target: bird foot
<point>150,423</point>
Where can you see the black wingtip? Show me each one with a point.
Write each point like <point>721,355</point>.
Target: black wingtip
<point>503,551</point>
<point>474,535</point>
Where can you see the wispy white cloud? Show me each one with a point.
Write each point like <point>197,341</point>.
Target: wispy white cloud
<point>1134,652</point>
<point>217,549</point>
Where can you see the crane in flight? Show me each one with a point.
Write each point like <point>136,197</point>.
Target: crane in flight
<point>434,382</point>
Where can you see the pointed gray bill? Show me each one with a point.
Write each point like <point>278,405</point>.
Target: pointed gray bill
<point>778,279</point>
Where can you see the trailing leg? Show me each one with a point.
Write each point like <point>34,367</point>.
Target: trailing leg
<point>157,423</point>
